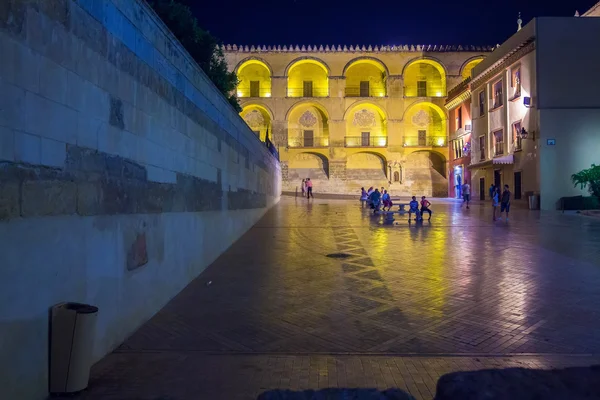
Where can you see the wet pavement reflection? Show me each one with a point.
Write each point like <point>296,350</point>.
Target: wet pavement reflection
<point>458,284</point>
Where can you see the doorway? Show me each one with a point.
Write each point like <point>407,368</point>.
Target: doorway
<point>518,184</point>
<point>458,181</point>
<point>309,138</point>
<point>422,138</point>
<point>498,178</point>
<point>482,189</point>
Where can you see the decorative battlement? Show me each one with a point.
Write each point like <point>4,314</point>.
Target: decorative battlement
<point>353,49</point>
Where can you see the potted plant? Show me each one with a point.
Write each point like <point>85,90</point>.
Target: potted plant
<point>589,178</point>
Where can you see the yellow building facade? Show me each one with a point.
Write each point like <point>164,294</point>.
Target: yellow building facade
<point>350,117</point>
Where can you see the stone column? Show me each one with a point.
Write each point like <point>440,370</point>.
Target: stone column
<point>278,86</point>
<point>337,132</point>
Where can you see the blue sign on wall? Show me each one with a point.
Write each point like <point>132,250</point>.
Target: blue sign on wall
<point>550,142</point>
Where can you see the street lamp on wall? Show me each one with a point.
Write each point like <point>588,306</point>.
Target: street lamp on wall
<point>525,135</point>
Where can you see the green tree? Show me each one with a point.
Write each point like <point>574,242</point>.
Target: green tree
<point>589,178</point>
<point>202,46</point>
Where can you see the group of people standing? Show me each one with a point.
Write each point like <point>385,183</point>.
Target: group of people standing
<point>503,198</point>
<point>307,188</point>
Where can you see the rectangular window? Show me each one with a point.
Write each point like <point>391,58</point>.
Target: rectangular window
<point>309,138</point>
<point>365,139</point>
<point>497,94</point>
<point>517,135</point>
<point>481,103</point>
<point>364,88</point>
<point>498,143</point>
<point>254,89</point>
<point>459,118</point>
<point>515,81</point>
<point>307,90</point>
<point>422,138</point>
<point>518,186</point>
<point>481,148</point>
<point>422,88</point>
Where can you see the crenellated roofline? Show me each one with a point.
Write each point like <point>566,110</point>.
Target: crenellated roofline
<point>352,49</point>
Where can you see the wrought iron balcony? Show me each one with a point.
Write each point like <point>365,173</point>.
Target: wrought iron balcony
<point>357,91</point>
<point>319,141</point>
<point>305,92</point>
<point>247,92</point>
<point>425,141</point>
<point>366,141</point>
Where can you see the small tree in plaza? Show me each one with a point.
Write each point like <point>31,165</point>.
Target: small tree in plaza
<point>589,178</point>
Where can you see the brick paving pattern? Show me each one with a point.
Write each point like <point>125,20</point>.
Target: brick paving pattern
<point>407,304</point>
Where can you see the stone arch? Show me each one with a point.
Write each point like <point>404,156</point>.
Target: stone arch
<point>366,168</point>
<point>467,66</point>
<point>362,117</point>
<point>308,164</point>
<point>258,118</point>
<point>428,70</point>
<point>307,77</point>
<point>252,59</point>
<point>254,77</point>
<point>372,60</point>
<point>315,103</point>
<point>307,59</point>
<point>424,125</point>
<point>425,174</point>
<point>307,125</point>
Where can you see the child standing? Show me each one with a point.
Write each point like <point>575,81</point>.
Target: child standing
<point>495,195</point>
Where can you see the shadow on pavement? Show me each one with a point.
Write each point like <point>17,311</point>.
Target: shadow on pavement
<point>336,394</point>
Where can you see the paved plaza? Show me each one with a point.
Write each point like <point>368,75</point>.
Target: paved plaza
<point>405,304</point>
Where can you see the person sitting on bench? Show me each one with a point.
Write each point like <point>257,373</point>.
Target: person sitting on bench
<point>387,200</point>
<point>414,208</point>
<point>375,200</point>
<point>425,207</point>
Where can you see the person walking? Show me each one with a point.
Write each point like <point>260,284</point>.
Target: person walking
<point>363,196</point>
<point>309,189</point>
<point>495,196</point>
<point>466,193</point>
<point>376,200</point>
<point>425,207</point>
<point>303,187</point>
<point>505,202</point>
<point>491,190</point>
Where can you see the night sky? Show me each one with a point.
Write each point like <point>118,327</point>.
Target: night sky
<point>351,22</point>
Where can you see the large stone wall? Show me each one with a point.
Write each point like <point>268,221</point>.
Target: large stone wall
<point>123,174</point>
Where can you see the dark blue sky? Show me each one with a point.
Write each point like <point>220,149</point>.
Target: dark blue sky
<point>354,22</point>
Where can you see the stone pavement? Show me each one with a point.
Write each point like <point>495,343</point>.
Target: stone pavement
<point>406,304</point>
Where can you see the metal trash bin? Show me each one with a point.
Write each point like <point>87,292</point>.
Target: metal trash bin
<point>72,331</point>
<point>534,202</point>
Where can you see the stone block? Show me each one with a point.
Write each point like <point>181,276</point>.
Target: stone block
<point>46,198</point>
<point>89,129</point>
<point>53,153</point>
<point>7,144</point>
<point>12,105</point>
<point>27,148</point>
<point>87,161</point>
<point>50,119</point>
<point>116,117</point>
<point>53,81</point>
<point>161,175</point>
<point>75,91</point>
<point>58,11</point>
<point>9,200</point>
<point>90,198</point>
<point>13,17</point>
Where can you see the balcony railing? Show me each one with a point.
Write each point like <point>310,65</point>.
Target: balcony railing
<point>320,141</point>
<point>427,141</point>
<point>498,148</point>
<point>370,141</point>
<point>246,92</point>
<point>355,91</point>
<point>301,92</point>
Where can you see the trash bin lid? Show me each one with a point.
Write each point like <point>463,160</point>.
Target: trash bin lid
<point>81,308</point>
